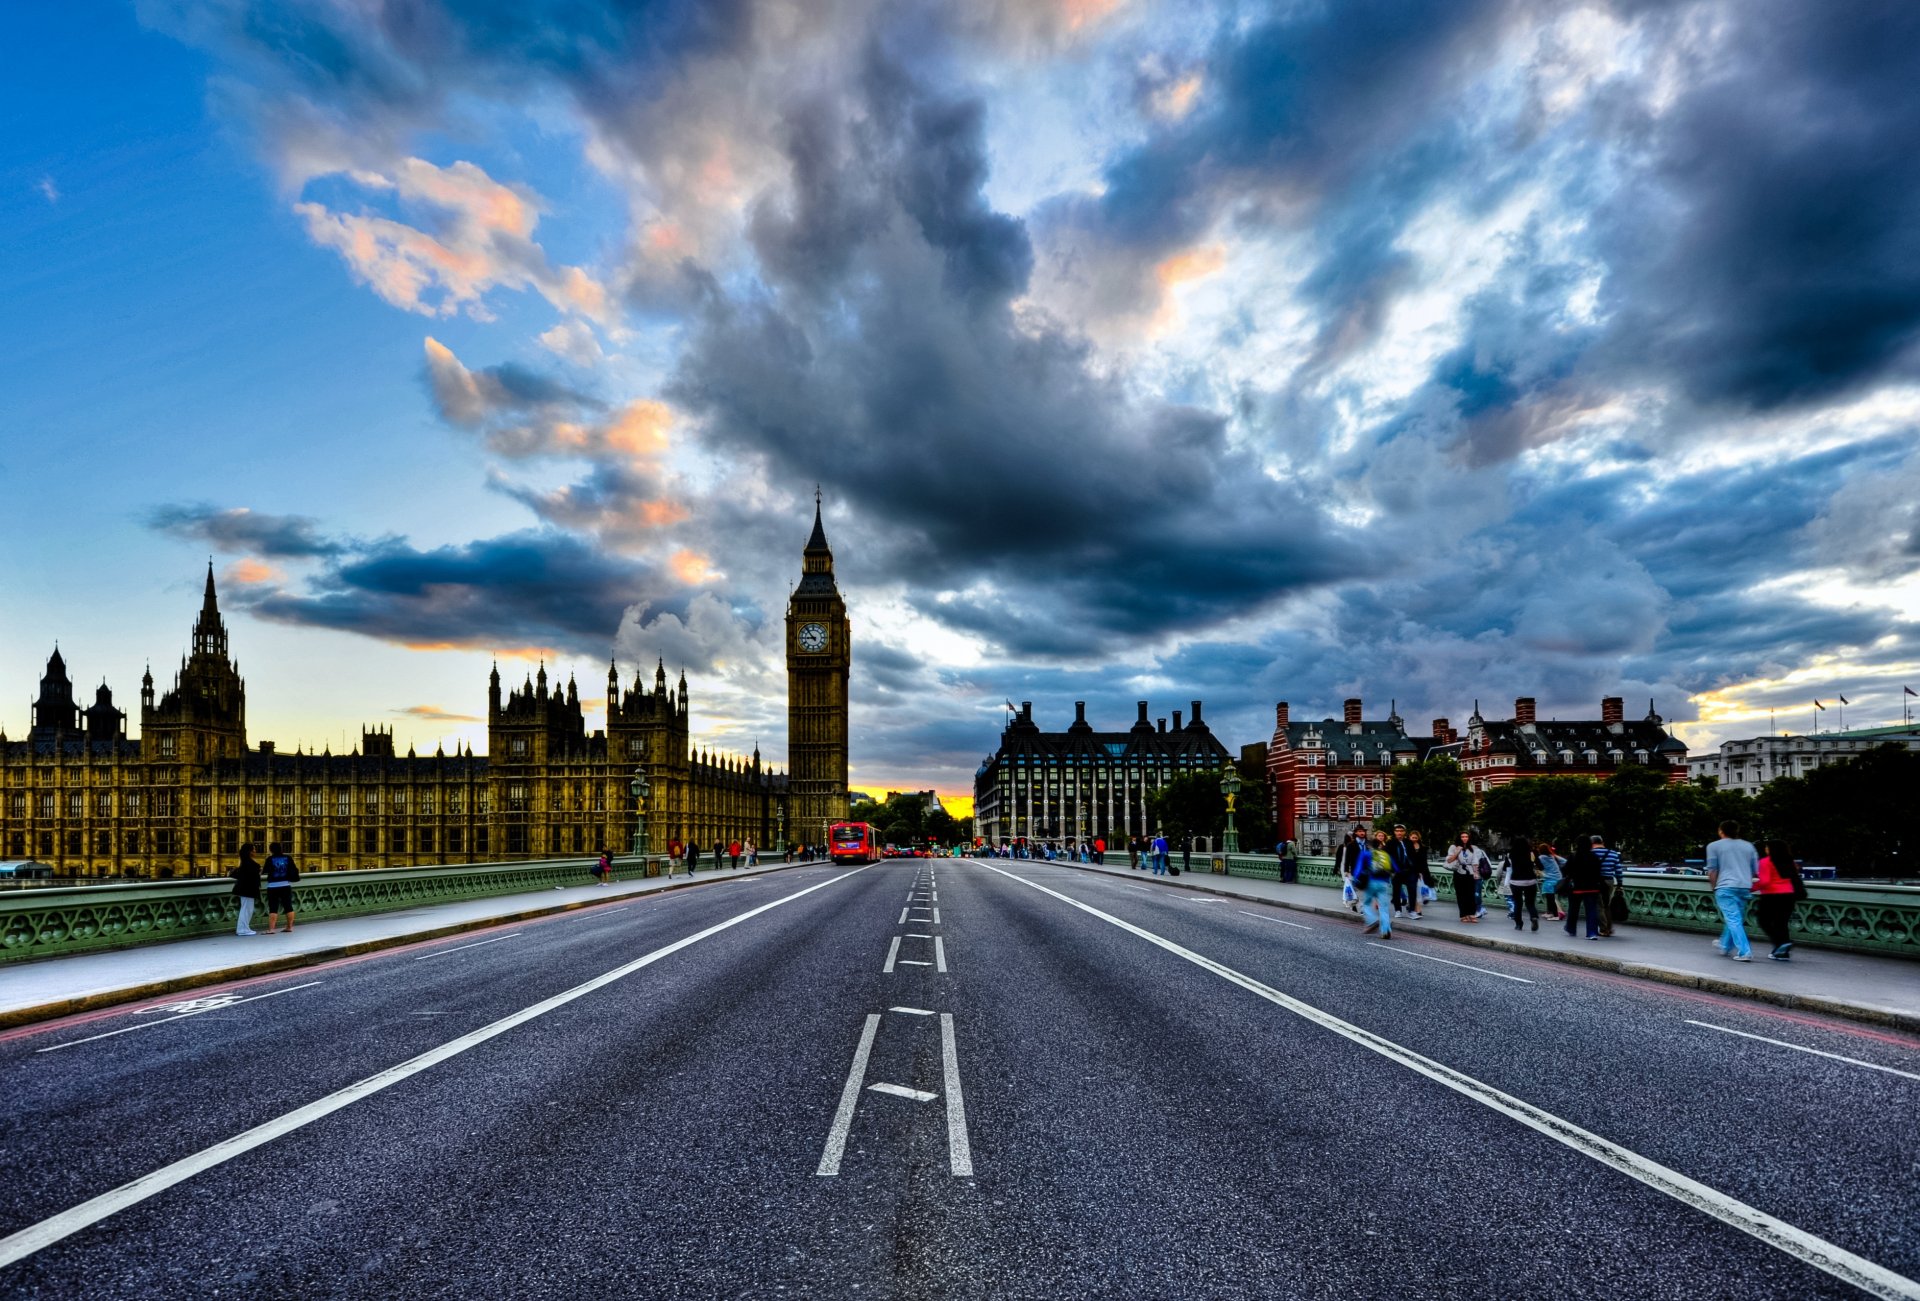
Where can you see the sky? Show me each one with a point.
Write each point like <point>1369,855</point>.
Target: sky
<point>1421,352</point>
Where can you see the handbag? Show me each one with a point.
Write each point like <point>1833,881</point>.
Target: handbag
<point>1617,905</point>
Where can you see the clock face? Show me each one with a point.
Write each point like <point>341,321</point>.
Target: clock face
<point>813,637</point>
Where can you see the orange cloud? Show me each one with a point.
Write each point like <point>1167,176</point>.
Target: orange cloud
<point>640,429</point>
<point>1190,264</point>
<point>249,571</point>
<point>691,567</point>
<point>1176,99</point>
<point>1085,13</point>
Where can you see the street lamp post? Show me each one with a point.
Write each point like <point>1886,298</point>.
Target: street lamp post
<point>639,789</point>
<point>1230,787</point>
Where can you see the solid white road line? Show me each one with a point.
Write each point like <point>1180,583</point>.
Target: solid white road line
<point>912,1011</point>
<point>916,935</point>
<point>1298,926</point>
<point>459,947</point>
<point>1799,1048</point>
<point>1845,1265</point>
<point>902,1091</point>
<point>893,952</point>
<point>1395,948</point>
<point>914,962</point>
<point>939,954</point>
<point>148,1025</point>
<point>849,1099</point>
<point>959,1151</point>
<point>19,1245</point>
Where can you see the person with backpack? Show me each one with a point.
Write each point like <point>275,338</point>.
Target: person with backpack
<point>603,869</point>
<point>1468,863</point>
<point>1776,889</point>
<point>1373,882</point>
<point>281,874</point>
<point>1521,882</point>
<point>246,888</point>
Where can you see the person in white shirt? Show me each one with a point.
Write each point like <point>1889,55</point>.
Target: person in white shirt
<point>1468,863</point>
<point>1731,865</point>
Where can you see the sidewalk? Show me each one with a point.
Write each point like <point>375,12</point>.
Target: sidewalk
<point>1860,987</point>
<point>52,987</point>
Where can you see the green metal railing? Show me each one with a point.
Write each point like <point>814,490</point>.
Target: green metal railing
<point>87,919</point>
<point>1882,919</point>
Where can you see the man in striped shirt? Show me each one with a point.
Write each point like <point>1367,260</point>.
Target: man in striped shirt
<point>1615,873</point>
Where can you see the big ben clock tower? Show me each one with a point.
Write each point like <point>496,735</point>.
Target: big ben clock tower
<point>819,656</point>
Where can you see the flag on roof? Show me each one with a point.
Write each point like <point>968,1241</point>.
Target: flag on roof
<point>1818,705</point>
<point>1844,700</point>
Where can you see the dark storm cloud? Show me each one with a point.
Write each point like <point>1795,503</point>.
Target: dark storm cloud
<point>242,531</point>
<point>521,589</point>
<point>1771,252</point>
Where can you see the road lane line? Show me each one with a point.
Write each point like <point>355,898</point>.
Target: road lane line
<point>1800,1048</point>
<point>959,1151</point>
<point>916,935</point>
<point>893,952</point>
<point>1395,948</point>
<point>939,954</point>
<point>902,1091</point>
<point>23,1243</point>
<point>912,1011</point>
<point>914,962</point>
<point>458,947</point>
<point>1298,926</point>
<point>849,1099</point>
<point>167,1020</point>
<point>936,916</point>
<point>1857,1270</point>
<point>903,917</point>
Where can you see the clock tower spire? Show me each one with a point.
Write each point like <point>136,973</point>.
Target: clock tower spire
<point>819,659</point>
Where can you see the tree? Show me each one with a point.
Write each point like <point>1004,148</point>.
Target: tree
<point>1253,815</point>
<point>1541,808</point>
<point>1189,805</point>
<point>1431,797</point>
<point>1856,814</point>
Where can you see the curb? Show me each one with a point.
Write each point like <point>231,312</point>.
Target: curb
<point>1871,1014</point>
<point>20,1016</point>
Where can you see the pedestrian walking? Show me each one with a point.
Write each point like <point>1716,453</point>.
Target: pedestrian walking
<point>1345,858</point>
<point>1731,866</point>
<point>1584,881</point>
<point>281,873</point>
<point>1776,890</point>
<point>603,868</point>
<point>1133,853</point>
<point>1521,881</point>
<point>1159,855</point>
<point>1406,881</point>
<point>1613,891</point>
<point>1468,864</point>
<point>733,852</point>
<point>246,888</point>
<point>1422,868</point>
<point>1373,881</point>
<point>719,856</point>
<point>1100,850</point>
<point>1549,865</point>
<point>693,855</point>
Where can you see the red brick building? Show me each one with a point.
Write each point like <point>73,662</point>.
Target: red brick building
<point>1328,774</point>
<point>1496,753</point>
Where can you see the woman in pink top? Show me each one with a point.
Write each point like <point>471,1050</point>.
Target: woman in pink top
<point>1776,889</point>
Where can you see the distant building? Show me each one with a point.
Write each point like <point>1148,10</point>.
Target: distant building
<point>1081,784</point>
<point>1746,766</point>
<point>1495,754</point>
<point>1323,776</point>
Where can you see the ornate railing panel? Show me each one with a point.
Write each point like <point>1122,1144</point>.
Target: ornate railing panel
<point>1836,915</point>
<point>83,919</point>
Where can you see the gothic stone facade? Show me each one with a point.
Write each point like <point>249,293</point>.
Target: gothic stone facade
<point>819,661</point>
<point>80,795</point>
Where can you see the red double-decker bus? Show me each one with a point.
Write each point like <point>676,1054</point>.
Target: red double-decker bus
<point>850,842</point>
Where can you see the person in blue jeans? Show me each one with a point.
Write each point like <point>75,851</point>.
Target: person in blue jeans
<point>1587,880</point>
<point>1159,855</point>
<point>1731,865</point>
<point>1373,881</point>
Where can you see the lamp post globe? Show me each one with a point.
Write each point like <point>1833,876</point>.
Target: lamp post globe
<point>1230,787</point>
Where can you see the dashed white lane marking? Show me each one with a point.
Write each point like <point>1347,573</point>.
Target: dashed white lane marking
<point>914,962</point>
<point>1137,889</point>
<point>1298,926</point>
<point>1394,948</point>
<point>849,1099</point>
<point>1869,1276</point>
<point>1801,1048</point>
<point>959,1151</point>
<point>893,952</point>
<point>939,954</point>
<point>21,1244</point>
<point>902,1091</point>
<point>459,947</point>
<point>165,1020</point>
<point>912,1011</point>
<point>903,917</point>
<point>916,935</point>
<point>1203,900</point>
<point>936,916</point>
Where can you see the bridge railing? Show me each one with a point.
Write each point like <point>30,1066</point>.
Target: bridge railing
<point>84,919</point>
<point>1882,919</point>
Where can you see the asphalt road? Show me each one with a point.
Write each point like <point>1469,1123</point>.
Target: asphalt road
<point>944,1079</point>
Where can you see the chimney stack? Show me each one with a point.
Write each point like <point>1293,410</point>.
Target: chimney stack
<point>1280,715</point>
<point>1026,711</point>
<point>1613,709</point>
<point>1163,726</point>
<point>1443,731</point>
<point>1176,720</point>
<point>1523,711</point>
<point>1079,711</point>
<point>1196,713</point>
<point>1353,711</point>
<point>1142,720</point>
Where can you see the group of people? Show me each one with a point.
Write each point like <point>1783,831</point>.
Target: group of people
<point>724,854</point>
<point>276,878</point>
<point>1386,875</point>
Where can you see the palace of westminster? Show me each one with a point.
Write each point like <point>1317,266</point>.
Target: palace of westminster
<point>81,796</point>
